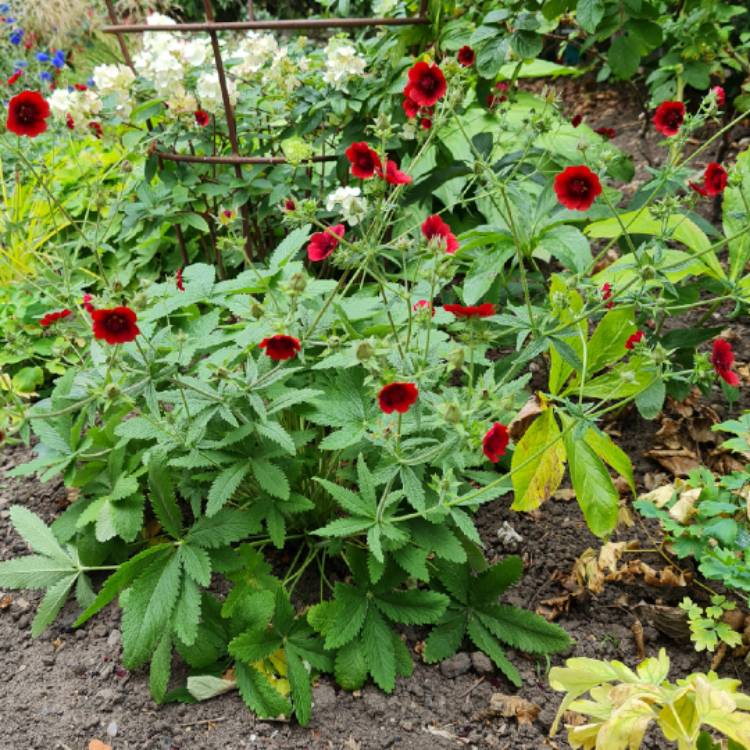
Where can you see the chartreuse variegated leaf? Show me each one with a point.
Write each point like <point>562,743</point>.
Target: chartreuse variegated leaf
<point>538,462</point>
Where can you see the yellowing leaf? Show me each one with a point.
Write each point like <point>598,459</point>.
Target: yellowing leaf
<point>538,463</point>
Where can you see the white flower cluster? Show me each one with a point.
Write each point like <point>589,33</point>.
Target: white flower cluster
<point>208,89</point>
<point>253,52</point>
<point>353,205</point>
<point>115,80</point>
<point>342,64</point>
<point>166,57</point>
<point>77,108</point>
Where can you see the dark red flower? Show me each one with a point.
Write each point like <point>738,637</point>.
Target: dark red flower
<point>53,317</point>
<point>607,295</point>
<point>607,133</point>
<point>322,244</point>
<point>698,188</point>
<point>576,120</point>
<point>393,175</point>
<point>96,128</point>
<point>14,77</point>
<point>27,114</point>
<point>722,359</point>
<point>669,117</point>
<point>363,159</point>
<point>466,56</point>
<point>202,118</point>
<point>426,84</point>
<point>634,339</point>
<point>433,226</point>
<point>178,280</point>
<point>714,179</point>
<point>280,347</point>
<point>721,97</point>
<point>495,442</point>
<point>411,108</point>
<point>471,311</point>
<point>115,325</point>
<point>426,123</point>
<point>69,122</point>
<point>577,188</point>
<point>289,205</point>
<point>397,397</point>
<point>423,304</point>
<point>80,87</point>
<point>86,302</point>
<point>493,100</point>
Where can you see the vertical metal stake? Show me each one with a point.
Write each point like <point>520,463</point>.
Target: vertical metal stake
<point>231,125</point>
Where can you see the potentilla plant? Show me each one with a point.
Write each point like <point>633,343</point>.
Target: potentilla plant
<point>353,401</point>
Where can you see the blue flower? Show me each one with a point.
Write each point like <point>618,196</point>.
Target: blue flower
<point>42,57</point>
<point>58,60</point>
<point>4,7</point>
<point>45,75</point>
<point>90,83</point>
<point>9,19</point>
<point>16,36</point>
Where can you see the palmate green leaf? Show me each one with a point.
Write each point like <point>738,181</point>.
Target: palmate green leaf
<point>162,496</point>
<point>348,500</point>
<point>52,602</point>
<point>226,527</point>
<point>258,693</point>
<point>414,607</point>
<point>346,615</point>
<point>34,572</point>
<point>366,483</point>
<point>350,667</point>
<point>270,478</point>
<point>404,663</point>
<point>413,489</point>
<point>413,560</point>
<point>486,642</point>
<point>345,527</point>
<point>437,538</point>
<point>254,645</point>
<point>225,485</point>
<point>196,563</point>
<point>299,684</point>
<point>147,608</point>
<point>491,583</point>
<point>161,668</point>
<point>187,613</point>
<point>36,533</point>
<point>122,578</point>
<point>445,638</point>
<point>276,433</point>
<point>524,630</point>
<point>380,655</point>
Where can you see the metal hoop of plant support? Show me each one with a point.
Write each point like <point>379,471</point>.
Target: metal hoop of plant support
<point>212,27</point>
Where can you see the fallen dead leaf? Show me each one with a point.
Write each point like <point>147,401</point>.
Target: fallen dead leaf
<point>565,494</point>
<point>572,719</point>
<point>640,643</point>
<point>99,745</point>
<point>513,706</point>
<point>660,496</point>
<point>685,505</point>
<point>679,462</point>
<point>6,601</point>
<point>521,422</point>
<point>672,621</point>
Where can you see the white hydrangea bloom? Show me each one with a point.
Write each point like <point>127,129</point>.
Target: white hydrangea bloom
<point>254,51</point>
<point>353,205</point>
<point>113,79</point>
<point>209,91</point>
<point>180,102</point>
<point>342,63</point>
<point>283,72</point>
<point>159,19</point>
<point>86,104</point>
<point>60,103</point>
<point>194,52</point>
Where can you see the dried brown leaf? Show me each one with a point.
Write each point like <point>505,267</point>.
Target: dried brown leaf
<point>640,643</point>
<point>513,706</point>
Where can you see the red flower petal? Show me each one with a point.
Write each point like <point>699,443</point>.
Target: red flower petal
<point>466,56</point>
<point>714,179</point>
<point>669,117</point>
<point>722,358</point>
<point>433,226</point>
<point>116,325</point>
<point>393,175</point>
<point>634,339</point>
<point>397,397</point>
<point>495,442</point>
<point>281,347</point>
<point>577,188</point>
<point>53,317</point>
<point>471,311</point>
<point>322,244</point>
<point>363,159</point>
<point>27,114</point>
<point>426,84</point>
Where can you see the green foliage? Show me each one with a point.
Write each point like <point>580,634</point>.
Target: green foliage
<point>624,704</point>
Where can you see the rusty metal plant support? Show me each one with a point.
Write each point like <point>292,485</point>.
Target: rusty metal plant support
<point>212,27</point>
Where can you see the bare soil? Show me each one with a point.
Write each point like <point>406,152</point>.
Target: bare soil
<point>68,687</point>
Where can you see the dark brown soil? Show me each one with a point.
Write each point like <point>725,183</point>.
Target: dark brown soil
<point>67,687</point>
